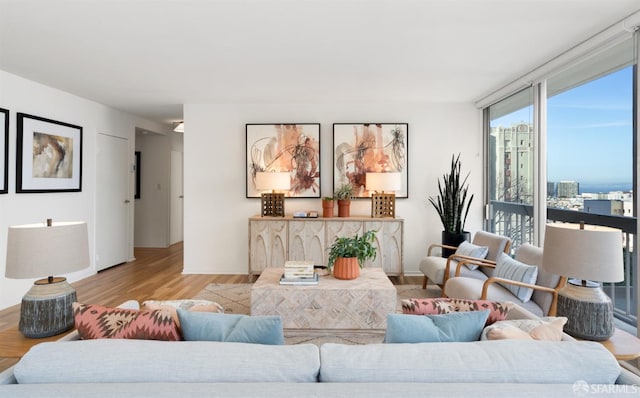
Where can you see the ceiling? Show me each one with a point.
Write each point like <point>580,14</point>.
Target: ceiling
<point>150,57</point>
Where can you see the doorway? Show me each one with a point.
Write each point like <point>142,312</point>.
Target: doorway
<point>152,204</point>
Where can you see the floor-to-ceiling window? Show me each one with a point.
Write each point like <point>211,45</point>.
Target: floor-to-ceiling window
<point>590,144</point>
<point>590,159</point>
<point>582,116</point>
<point>510,167</point>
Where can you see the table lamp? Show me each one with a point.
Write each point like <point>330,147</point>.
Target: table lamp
<point>36,250</point>
<point>586,254</point>
<point>383,204</point>
<point>272,202</point>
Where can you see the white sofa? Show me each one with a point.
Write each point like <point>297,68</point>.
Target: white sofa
<point>140,368</point>
<point>101,368</point>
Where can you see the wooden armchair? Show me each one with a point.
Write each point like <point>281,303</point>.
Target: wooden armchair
<point>439,269</point>
<point>545,296</point>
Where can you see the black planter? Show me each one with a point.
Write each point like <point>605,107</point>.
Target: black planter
<point>453,239</point>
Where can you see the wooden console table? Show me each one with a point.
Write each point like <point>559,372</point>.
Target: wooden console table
<point>274,240</point>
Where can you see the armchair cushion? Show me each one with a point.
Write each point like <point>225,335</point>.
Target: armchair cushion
<point>434,267</point>
<point>508,268</point>
<point>469,249</point>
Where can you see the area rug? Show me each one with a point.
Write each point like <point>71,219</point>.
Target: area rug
<point>236,299</point>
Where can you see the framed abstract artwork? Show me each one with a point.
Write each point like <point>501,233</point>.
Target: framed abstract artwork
<point>4,150</point>
<point>286,147</point>
<point>48,155</point>
<point>361,148</point>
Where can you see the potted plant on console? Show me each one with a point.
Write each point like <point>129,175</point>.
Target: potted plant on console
<point>348,254</point>
<point>343,196</point>
<point>452,206</point>
<point>327,206</point>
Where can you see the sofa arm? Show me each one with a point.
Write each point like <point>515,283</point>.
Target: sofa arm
<point>7,376</point>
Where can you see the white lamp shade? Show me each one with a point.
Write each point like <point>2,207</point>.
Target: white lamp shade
<point>383,182</point>
<point>593,253</point>
<point>37,251</point>
<point>276,181</point>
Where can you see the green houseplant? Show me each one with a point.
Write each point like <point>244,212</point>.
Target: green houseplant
<point>348,254</point>
<point>343,196</point>
<point>452,205</point>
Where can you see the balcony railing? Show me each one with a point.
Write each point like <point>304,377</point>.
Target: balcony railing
<point>516,221</point>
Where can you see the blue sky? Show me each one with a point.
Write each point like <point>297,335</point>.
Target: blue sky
<point>589,131</point>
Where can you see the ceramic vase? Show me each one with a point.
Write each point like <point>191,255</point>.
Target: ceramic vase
<point>327,208</point>
<point>344,207</point>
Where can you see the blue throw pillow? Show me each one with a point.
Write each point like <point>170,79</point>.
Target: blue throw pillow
<point>209,326</point>
<point>456,326</point>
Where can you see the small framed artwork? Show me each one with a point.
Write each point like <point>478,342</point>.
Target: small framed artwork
<point>48,155</point>
<point>288,147</point>
<point>361,148</point>
<point>4,150</point>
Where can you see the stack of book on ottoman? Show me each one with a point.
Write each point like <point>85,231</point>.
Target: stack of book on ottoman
<point>299,273</point>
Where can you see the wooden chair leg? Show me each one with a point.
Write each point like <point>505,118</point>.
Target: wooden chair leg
<point>424,282</point>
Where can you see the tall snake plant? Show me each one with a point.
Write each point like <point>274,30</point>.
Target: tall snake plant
<point>451,203</point>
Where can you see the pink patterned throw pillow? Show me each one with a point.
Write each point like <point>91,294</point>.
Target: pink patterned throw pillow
<point>98,322</point>
<point>433,306</point>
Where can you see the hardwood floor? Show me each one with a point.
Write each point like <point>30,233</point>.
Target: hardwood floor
<point>155,274</point>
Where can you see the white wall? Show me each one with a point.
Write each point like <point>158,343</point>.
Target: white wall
<point>21,95</point>
<point>177,141</point>
<point>216,210</point>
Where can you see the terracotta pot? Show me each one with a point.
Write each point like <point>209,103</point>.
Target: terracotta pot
<point>346,268</point>
<point>344,207</point>
<point>327,208</point>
